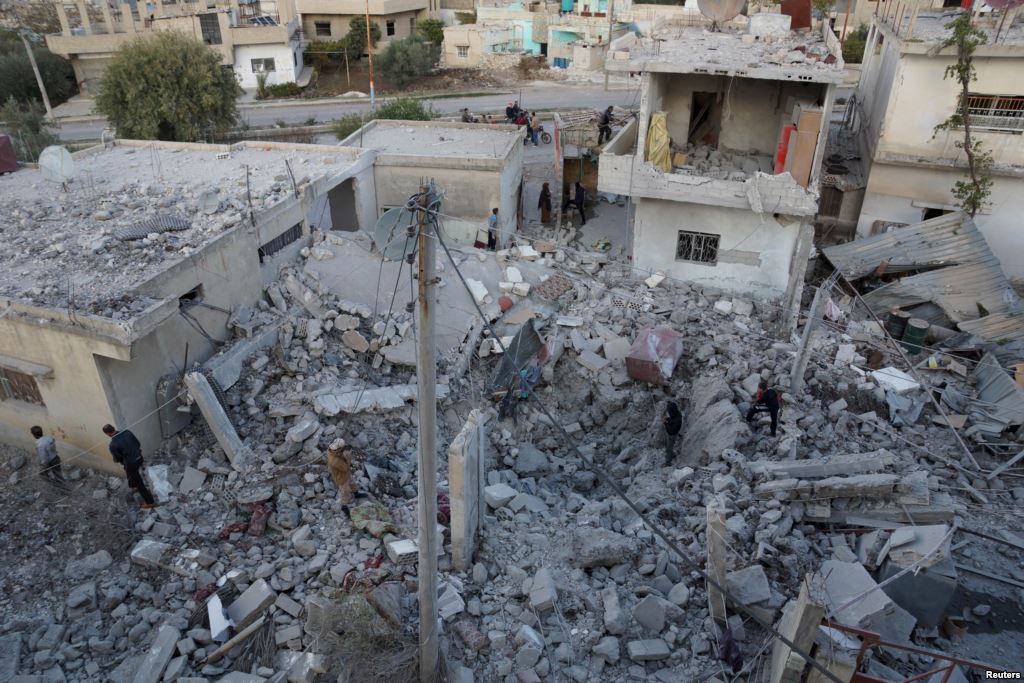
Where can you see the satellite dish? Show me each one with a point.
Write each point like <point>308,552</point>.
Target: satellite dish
<point>56,164</point>
<point>389,234</point>
<point>720,11</point>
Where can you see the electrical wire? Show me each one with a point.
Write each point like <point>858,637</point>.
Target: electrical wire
<point>618,490</point>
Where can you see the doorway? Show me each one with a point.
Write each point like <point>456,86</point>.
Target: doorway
<point>705,119</point>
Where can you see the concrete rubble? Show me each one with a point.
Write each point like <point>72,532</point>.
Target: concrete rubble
<point>567,582</point>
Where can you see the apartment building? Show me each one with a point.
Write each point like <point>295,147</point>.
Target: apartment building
<point>721,164</point>
<point>909,169</point>
<point>252,36</point>
<point>396,19</point>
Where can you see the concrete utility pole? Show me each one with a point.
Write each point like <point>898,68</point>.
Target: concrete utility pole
<point>608,50</point>
<point>426,370</point>
<point>369,52</point>
<point>796,382</point>
<point>35,70</point>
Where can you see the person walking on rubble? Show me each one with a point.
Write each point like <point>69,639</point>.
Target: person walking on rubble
<point>49,461</point>
<point>765,400</point>
<point>492,230</point>
<point>127,452</point>
<point>604,125</point>
<point>578,199</point>
<point>672,420</point>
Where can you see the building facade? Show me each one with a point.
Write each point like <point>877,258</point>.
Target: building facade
<point>328,20</point>
<point>910,168</point>
<point>721,164</point>
<point>251,37</point>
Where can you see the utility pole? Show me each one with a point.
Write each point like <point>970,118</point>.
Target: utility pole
<point>426,371</point>
<point>369,52</point>
<point>796,382</point>
<point>608,49</point>
<point>35,70</point>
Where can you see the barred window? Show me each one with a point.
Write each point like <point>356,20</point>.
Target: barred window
<point>700,247</point>
<point>322,29</point>
<point>280,242</point>
<point>996,112</point>
<point>19,386</point>
<point>463,51</point>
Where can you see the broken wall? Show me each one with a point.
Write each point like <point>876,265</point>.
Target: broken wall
<point>754,256</point>
<point>467,457</point>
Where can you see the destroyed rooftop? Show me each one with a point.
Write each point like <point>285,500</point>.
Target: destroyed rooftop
<point>65,240</point>
<point>732,52</point>
<point>930,28</point>
<point>435,139</point>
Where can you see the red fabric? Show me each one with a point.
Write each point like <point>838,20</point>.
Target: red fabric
<point>232,528</point>
<point>258,521</point>
<point>444,509</point>
<point>8,161</point>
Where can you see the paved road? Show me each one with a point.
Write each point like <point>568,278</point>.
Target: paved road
<point>541,96</point>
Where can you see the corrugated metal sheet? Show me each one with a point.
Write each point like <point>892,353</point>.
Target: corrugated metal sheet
<point>964,292</point>
<point>1001,328</point>
<point>1000,401</point>
<point>947,240</point>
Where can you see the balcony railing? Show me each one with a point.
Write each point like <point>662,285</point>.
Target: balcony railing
<point>996,112</point>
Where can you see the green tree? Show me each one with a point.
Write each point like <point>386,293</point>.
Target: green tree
<point>38,16</point>
<point>168,86</point>
<point>432,30</point>
<point>403,61</point>
<point>17,79</point>
<point>971,194</point>
<point>355,39</point>
<point>466,17</point>
<point>853,44</point>
<point>26,123</point>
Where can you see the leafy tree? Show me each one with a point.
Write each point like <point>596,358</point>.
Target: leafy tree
<point>168,86</point>
<point>17,79</point>
<point>972,194</point>
<point>38,16</point>
<point>468,17</point>
<point>432,30</point>
<point>355,39</point>
<point>853,45</point>
<point>405,60</point>
<point>822,8</point>
<point>26,123</point>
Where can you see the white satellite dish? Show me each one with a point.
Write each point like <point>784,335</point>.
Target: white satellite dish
<point>390,236</point>
<point>56,164</point>
<point>720,11</point>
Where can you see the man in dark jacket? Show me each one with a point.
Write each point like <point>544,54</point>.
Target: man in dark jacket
<point>604,126</point>
<point>673,422</point>
<point>578,199</point>
<point>766,400</point>
<point>127,451</point>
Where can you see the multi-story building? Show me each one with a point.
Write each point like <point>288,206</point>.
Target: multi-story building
<point>721,164</point>
<point>910,168</point>
<point>252,37</point>
<point>396,19</point>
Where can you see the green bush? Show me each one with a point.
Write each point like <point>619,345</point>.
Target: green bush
<point>405,60</point>
<point>347,125</point>
<point>401,109</point>
<point>470,17</point>
<point>355,39</point>
<point>432,30</point>
<point>17,79</point>
<point>283,90</point>
<point>853,46</point>
<point>27,125</point>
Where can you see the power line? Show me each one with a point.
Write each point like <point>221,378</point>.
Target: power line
<point>656,529</point>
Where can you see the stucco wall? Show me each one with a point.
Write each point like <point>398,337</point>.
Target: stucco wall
<point>340,25</point>
<point>284,56</point>
<point>758,251</point>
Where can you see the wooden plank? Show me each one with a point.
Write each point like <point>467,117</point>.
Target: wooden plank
<point>235,641</point>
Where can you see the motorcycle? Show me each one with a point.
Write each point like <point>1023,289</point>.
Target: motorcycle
<point>544,136</point>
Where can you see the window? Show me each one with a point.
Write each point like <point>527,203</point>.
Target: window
<point>390,28</point>
<point>280,242</point>
<point>463,51</point>
<point>322,28</point>
<point>210,28</point>
<point>700,247</point>
<point>17,386</point>
<point>412,24</point>
<point>996,112</point>
<point>265,65</point>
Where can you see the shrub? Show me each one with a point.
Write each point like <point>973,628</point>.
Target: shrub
<point>27,125</point>
<point>283,90</point>
<point>432,30</point>
<point>347,125</point>
<point>403,61</point>
<point>404,109</point>
<point>17,79</point>
<point>853,46</point>
<point>466,17</point>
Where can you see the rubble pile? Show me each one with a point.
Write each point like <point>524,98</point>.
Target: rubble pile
<point>720,163</point>
<point>264,575</point>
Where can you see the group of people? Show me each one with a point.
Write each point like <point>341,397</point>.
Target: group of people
<point>766,400</point>
<point>124,448</point>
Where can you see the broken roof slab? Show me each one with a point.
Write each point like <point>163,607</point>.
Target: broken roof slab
<point>436,140</point>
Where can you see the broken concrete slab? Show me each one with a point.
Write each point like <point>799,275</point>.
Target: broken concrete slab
<point>151,669</point>
<point>854,601</point>
<point>378,400</point>
<point>150,553</point>
<point>749,585</point>
<point>651,650</point>
<point>499,495</point>
<point>543,593</point>
<point>10,655</point>
<point>191,480</point>
<point>614,618</point>
<point>926,547</point>
<point>238,454</point>
<point>248,606</point>
<point>597,547</point>
<point>799,624</point>
<point>650,614</point>
<point>836,465</point>
<point>591,361</point>
<point>895,379</point>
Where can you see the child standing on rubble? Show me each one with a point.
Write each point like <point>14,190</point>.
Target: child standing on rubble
<point>673,422</point>
<point>765,400</point>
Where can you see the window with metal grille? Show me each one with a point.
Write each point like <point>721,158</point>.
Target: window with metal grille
<point>996,112</point>
<point>390,28</point>
<point>700,247</point>
<point>463,51</point>
<point>210,28</point>
<point>17,386</point>
<point>265,65</point>
<point>280,242</point>
<point>322,28</point>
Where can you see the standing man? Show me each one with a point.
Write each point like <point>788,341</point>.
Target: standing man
<point>492,230</point>
<point>673,422</point>
<point>49,461</point>
<point>535,129</point>
<point>544,204</point>
<point>604,126</point>
<point>578,199</point>
<point>766,400</point>
<point>127,451</point>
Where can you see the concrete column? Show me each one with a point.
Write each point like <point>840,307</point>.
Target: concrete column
<point>466,456</point>
<point>62,15</point>
<point>800,621</point>
<point>285,11</point>
<point>108,17</point>
<point>202,393</point>
<point>826,117</point>
<point>794,287</point>
<point>128,17</point>
<point>716,532</point>
<point>83,11</point>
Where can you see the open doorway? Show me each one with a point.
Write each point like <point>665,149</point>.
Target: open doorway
<point>342,201</point>
<point>705,119</point>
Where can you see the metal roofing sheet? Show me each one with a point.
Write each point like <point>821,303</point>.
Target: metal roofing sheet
<point>964,292</point>
<point>1000,399</point>
<point>1001,328</point>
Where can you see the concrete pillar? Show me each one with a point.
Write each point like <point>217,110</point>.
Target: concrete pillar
<point>799,624</point>
<point>466,461</point>
<point>202,393</point>
<point>716,532</point>
<point>62,15</point>
<point>108,17</point>
<point>83,11</point>
<point>795,285</point>
<point>128,17</point>
<point>285,11</point>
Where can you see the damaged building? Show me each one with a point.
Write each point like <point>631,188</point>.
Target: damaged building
<point>723,159</point>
